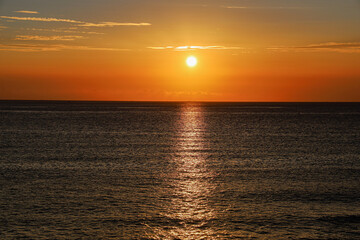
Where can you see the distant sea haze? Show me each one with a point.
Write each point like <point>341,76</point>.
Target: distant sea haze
<point>137,170</point>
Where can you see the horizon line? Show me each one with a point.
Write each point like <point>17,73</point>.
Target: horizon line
<point>168,101</point>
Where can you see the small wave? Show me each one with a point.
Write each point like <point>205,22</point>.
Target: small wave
<point>341,219</point>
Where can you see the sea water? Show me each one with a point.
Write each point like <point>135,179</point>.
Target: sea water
<point>135,170</point>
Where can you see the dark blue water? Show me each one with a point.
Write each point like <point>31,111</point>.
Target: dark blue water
<point>179,170</point>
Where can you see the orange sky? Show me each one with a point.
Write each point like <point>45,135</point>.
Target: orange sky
<point>134,50</point>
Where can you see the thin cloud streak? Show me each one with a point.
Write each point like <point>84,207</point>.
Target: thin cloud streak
<point>40,19</point>
<point>344,47</point>
<point>248,7</point>
<point>189,48</point>
<point>113,24</point>
<point>52,48</point>
<point>47,38</point>
<point>62,31</point>
<point>28,12</point>
<point>81,23</point>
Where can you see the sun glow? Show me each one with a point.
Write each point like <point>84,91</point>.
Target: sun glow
<point>191,61</point>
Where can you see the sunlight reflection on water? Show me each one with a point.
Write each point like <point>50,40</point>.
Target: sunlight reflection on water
<point>190,183</point>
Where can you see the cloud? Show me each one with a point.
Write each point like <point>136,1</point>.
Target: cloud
<point>45,48</point>
<point>28,12</point>
<point>112,24</point>
<point>345,47</point>
<point>235,7</point>
<point>40,19</point>
<point>81,23</point>
<point>62,31</point>
<point>47,38</point>
<point>334,45</point>
<point>189,48</point>
<point>265,7</point>
<point>2,27</point>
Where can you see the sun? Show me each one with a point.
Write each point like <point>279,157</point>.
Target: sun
<point>191,61</point>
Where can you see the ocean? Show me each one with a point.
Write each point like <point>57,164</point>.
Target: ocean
<point>157,170</point>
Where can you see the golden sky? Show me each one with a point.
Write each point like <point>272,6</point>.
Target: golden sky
<point>136,50</point>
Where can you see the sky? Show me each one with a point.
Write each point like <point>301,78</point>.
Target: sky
<point>136,50</point>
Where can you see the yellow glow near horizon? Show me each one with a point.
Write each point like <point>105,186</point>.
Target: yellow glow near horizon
<point>191,61</point>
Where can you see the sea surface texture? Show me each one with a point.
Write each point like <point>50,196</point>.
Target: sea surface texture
<point>118,170</point>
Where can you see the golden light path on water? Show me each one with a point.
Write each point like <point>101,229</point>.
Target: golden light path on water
<point>190,181</point>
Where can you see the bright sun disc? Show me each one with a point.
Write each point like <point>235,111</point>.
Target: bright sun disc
<point>191,61</point>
